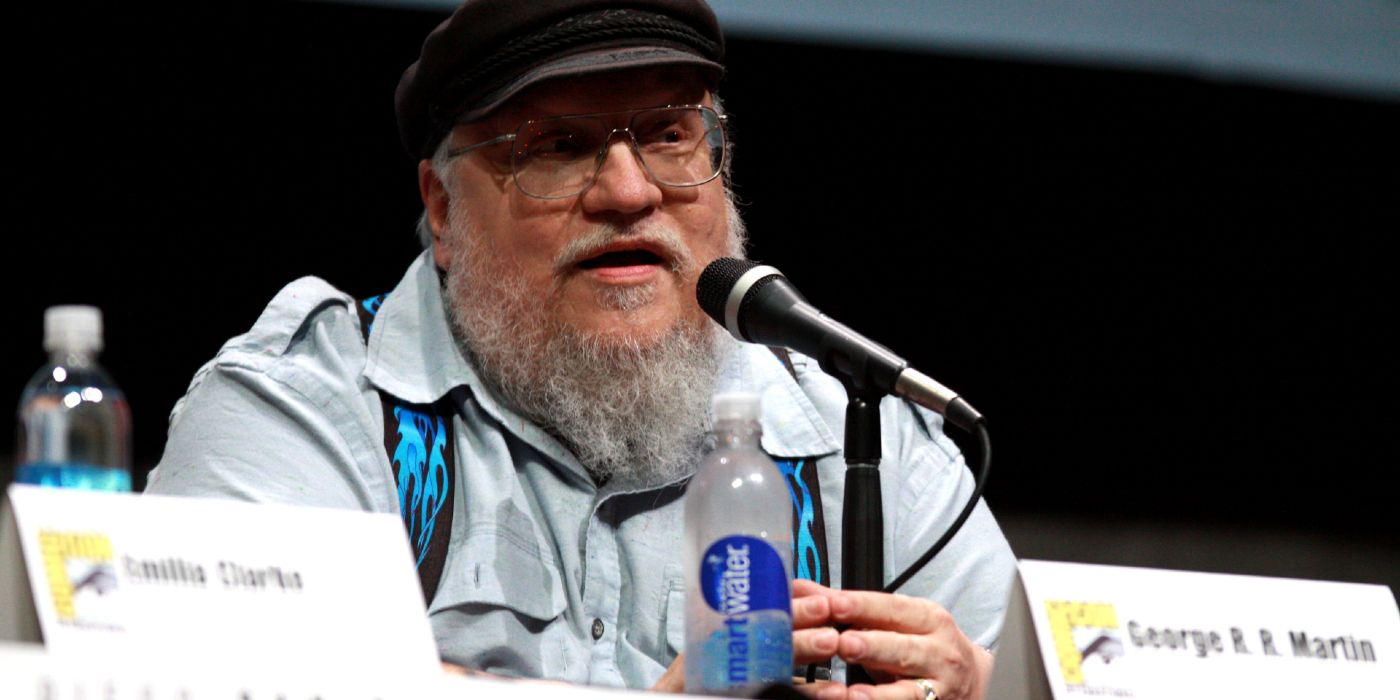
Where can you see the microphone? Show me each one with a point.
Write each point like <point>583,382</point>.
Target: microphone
<point>757,304</point>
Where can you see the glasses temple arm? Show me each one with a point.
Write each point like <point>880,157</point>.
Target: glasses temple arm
<point>491,142</point>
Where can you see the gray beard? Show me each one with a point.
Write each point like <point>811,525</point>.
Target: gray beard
<point>631,409</point>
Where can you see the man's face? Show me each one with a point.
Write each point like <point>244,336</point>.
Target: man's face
<point>617,262</point>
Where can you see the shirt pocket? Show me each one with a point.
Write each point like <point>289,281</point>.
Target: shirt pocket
<point>502,565</point>
<point>500,608</point>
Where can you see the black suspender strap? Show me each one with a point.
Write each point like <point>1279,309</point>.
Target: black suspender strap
<point>808,523</point>
<point>419,441</point>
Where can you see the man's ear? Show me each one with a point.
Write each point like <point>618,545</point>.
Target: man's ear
<point>435,200</point>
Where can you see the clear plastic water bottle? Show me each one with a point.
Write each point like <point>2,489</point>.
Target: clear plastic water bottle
<point>74,423</point>
<point>738,549</point>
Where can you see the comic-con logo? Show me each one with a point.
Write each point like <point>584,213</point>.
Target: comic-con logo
<point>80,572</point>
<point>1083,633</point>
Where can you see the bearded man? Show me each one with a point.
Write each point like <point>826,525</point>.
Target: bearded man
<point>547,351</point>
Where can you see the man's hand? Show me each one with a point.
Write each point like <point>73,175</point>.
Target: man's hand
<point>673,680</point>
<point>898,639</point>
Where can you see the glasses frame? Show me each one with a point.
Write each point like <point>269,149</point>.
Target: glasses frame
<point>721,120</point>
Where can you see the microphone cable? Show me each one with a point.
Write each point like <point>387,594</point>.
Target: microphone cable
<point>984,469</point>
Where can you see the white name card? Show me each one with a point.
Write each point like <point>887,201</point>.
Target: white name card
<point>1078,631</point>
<point>28,672</point>
<point>203,581</point>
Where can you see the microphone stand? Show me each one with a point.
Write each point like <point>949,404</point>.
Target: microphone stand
<point>862,513</point>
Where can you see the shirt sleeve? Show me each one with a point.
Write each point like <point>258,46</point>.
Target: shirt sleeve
<point>282,414</point>
<point>972,576</point>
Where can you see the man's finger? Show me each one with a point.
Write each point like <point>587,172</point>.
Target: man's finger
<point>906,689</point>
<point>803,587</point>
<point>892,652</point>
<point>888,611</point>
<point>811,611</point>
<point>814,646</point>
<point>820,690</point>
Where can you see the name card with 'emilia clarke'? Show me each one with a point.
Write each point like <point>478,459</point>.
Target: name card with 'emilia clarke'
<point>211,581</point>
<point>1077,631</point>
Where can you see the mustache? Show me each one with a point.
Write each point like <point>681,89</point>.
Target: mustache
<point>660,238</point>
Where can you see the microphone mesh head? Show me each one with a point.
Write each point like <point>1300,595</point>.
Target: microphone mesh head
<point>715,283</point>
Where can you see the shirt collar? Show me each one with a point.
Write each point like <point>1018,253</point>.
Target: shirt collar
<point>792,426</point>
<point>411,352</point>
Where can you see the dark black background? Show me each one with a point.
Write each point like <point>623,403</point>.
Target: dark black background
<point>1170,296</point>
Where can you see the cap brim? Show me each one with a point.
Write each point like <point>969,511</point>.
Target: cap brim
<point>587,63</point>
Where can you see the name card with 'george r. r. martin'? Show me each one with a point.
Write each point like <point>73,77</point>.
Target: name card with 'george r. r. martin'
<point>1080,631</point>
<point>207,581</point>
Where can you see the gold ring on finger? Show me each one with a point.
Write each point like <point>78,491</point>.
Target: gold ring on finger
<point>927,685</point>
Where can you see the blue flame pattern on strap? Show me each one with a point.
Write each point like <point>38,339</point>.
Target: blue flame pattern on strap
<point>372,305</point>
<point>805,553</point>
<point>422,473</point>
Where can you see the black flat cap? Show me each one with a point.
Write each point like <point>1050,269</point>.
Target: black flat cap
<point>490,50</point>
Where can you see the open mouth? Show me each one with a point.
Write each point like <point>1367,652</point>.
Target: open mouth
<point>621,258</point>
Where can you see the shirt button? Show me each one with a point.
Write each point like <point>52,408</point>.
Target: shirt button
<point>597,629</point>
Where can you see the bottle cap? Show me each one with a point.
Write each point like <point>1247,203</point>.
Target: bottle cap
<point>73,328</point>
<point>736,406</point>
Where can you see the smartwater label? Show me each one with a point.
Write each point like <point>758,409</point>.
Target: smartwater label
<point>743,579</point>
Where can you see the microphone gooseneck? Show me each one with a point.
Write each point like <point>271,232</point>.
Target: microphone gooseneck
<point>757,304</point>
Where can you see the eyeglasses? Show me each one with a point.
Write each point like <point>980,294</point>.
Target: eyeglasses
<point>558,157</point>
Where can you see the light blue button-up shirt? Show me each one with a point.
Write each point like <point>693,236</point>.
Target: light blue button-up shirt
<point>541,560</point>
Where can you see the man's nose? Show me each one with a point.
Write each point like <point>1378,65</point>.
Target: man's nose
<point>623,184</point>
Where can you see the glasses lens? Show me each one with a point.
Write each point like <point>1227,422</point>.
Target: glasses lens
<point>557,157</point>
<point>680,146</point>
